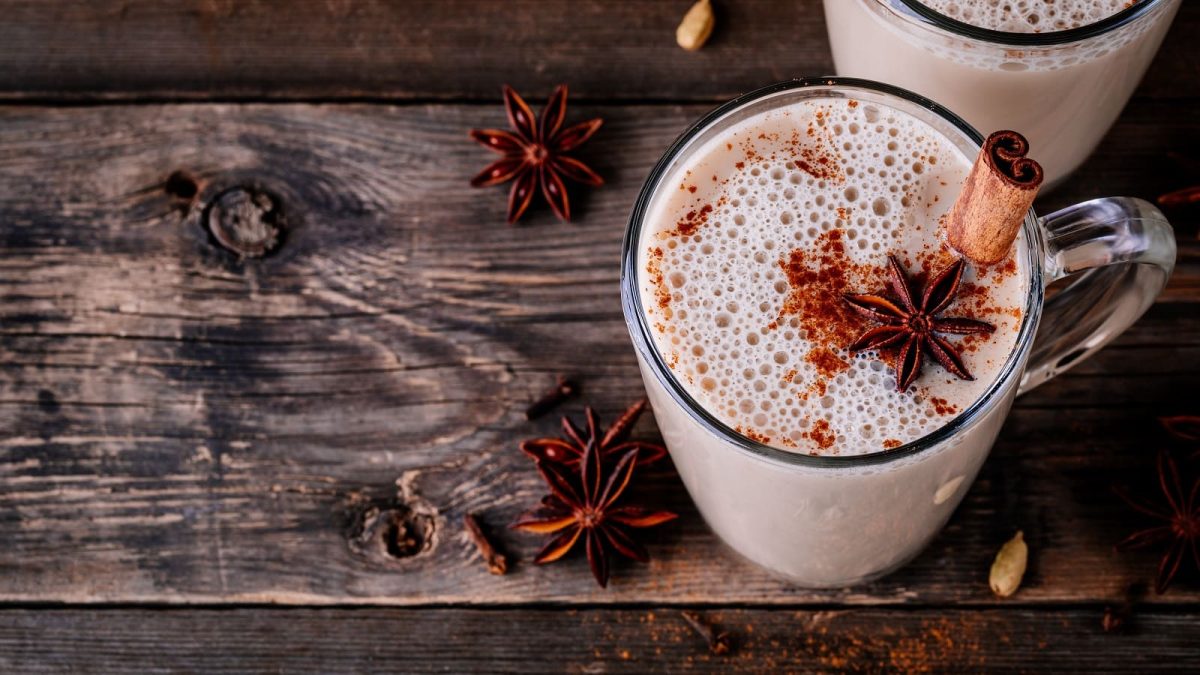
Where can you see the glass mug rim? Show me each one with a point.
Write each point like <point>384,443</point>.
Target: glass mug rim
<point>639,329</point>
<point>1109,23</point>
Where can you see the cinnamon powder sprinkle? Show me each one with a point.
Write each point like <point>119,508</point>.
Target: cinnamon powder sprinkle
<point>821,434</point>
<point>693,220</point>
<point>817,158</point>
<point>818,273</point>
<point>827,362</point>
<point>816,288</point>
<point>662,294</point>
<point>943,407</point>
<point>753,435</point>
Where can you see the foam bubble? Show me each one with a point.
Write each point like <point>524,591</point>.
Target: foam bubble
<point>1027,16</point>
<point>777,375</point>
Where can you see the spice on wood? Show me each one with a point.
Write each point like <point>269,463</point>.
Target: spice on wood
<point>496,562</point>
<point>1187,196</point>
<point>696,26</point>
<point>1177,513</point>
<point>1114,618</point>
<point>550,400</point>
<point>610,443</point>
<point>1009,567</point>
<point>718,641</point>
<point>535,154</point>
<point>1184,428</point>
<point>589,505</point>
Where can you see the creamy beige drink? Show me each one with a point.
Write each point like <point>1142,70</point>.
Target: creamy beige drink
<point>747,261</point>
<point>745,254</point>
<point>800,453</point>
<point>1029,16</point>
<point>1059,72</point>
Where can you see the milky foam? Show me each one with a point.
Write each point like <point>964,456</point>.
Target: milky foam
<point>750,245</point>
<point>1028,16</point>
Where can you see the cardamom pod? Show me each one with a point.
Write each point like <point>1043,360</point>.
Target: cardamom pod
<point>696,26</point>
<point>1009,566</point>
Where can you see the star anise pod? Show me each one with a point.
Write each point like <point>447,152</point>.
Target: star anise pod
<point>535,154</point>
<point>587,505</point>
<point>1181,517</point>
<point>1184,427</point>
<point>1183,196</point>
<point>914,327</point>
<point>612,443</point>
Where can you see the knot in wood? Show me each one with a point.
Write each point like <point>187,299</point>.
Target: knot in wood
<point>246,221</point>
<point>392,531</point>
<point>182,186</point>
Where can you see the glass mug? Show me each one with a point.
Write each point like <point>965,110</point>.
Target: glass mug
<point>834,521</point>
<point>1061,89</point>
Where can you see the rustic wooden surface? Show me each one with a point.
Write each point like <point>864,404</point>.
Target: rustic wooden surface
<point>596,640</point>
<point>181,427</point>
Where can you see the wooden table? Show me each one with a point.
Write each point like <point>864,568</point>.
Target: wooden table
<point>203,459</point>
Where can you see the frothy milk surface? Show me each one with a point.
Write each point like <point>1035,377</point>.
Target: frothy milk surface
<point>1028,16</point>
<point>751,243</point>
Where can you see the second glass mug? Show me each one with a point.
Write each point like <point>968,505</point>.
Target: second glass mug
<point>835,521</point>
<point>1062,89</point>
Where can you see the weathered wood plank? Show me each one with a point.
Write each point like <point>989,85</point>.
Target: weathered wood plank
<point>579,641</point>
<point>289,49</point>
<point>179,426</point>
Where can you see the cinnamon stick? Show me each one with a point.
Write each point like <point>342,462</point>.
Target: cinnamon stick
<point>985,220</point>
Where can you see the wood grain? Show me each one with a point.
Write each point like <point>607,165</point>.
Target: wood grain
<point>587,641</point>
<point>73,50</point>
<point>183,426</point>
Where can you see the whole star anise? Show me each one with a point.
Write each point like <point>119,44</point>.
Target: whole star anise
<point>568,451</point>
<point>587,505</point>
<point>913,327</point>
<point>535,154</point>
<point>1181,515</point>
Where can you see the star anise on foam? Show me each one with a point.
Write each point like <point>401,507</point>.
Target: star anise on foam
<point>1180,517</point>
<point>913,327</point>
<point>535,154</point>
<point>587,505</point>
<point>611,443</point>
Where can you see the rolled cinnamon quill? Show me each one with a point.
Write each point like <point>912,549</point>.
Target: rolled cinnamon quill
<point>985,220</point>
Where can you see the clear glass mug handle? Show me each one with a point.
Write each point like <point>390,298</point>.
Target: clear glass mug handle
<point>1122,251</point>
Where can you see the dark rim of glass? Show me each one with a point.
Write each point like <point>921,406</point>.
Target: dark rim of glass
<point>1051,38</point>
<point>631,301</point>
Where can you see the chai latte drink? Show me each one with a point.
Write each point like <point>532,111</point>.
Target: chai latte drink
<point>1058,71</point>
<point>771,224</point>
<point>746,252</point>
<point>802,454</point>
